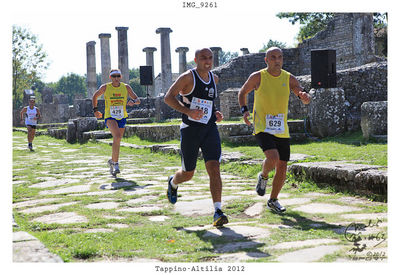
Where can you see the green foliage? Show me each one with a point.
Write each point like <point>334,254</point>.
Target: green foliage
<point>273,43</point>
<point>311,23</point>
<point>29,61</point>
<point>225,57</point>
<point>71,85</point>
<point>134,82</point>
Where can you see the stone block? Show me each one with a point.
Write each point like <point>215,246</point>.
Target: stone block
<point>374,118</point>
<point>85,124</point>
<point>71,131</point>
<point>327,112</point>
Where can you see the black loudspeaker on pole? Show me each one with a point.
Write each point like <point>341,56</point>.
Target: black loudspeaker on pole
<point>323,68</point>
<point>146,75</point>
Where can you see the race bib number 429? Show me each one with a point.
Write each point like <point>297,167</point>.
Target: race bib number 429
<point>117,112</point>
<point>275,124</point>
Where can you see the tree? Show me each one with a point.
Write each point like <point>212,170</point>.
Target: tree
<point>273,43</point>
<point>311,23</point>
<point>225,57</point>
<point>29,61</point>
<point>134,82</point>
<point>71,85</point>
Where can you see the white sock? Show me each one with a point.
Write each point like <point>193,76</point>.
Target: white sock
<point>217,205</point>
<point>173,184</point>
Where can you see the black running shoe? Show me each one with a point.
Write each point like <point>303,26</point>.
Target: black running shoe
<point>172,193</point>
<point>261,185</point>
<point>220,218</point>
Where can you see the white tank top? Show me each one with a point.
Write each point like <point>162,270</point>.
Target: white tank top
<point>30,114</point>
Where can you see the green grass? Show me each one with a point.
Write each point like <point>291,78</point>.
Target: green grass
<point>167,241</point>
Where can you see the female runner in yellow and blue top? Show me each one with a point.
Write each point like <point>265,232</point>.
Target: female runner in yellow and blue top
<point>116,98</point>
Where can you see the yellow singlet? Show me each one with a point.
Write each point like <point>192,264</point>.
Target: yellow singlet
<point>271,101</point>
<point>115,99</point>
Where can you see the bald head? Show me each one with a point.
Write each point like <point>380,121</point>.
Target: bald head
<point>197,53</point>
<point>272,49</point>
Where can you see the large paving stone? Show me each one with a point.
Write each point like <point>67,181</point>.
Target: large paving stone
<point>237,232</point>
<point>33,251</point>
<point>52,207</point>
<point>52,183</point>
<point>66,190</point>
<point>366,216</point>
<point>309,254</point>
<point>61,218</point>
<point>141,209</point>
<point>294,201</point>
<point>103,205</point>
<point>255,210</point>
<point>199,207</point>
<point>241,257</point>
<point>158,218</point>
<point>33,202</point>
<point>141,199</point>
<point>235,246</point>
<point>298,244</point>
<point>325,208</point>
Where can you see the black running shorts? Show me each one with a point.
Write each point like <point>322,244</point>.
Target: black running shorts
<point>192,138</point>
<point>267,142</point>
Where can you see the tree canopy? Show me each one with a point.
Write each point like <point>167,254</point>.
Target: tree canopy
<point>29,62</point>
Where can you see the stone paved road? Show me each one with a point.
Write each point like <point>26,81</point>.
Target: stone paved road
<point>73,174</point>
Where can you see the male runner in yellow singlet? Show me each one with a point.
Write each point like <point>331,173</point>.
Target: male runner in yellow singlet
<point>115,98</point>
<point>272,87</point>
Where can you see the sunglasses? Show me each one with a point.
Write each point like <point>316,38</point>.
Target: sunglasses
<point>116,75</point>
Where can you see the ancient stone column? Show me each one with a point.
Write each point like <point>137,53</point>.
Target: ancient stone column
<point>182,58</point>
<point>123,53</point>
<point>166,72</point>
<point>105,56</point>
<point>91,79</point>
<point>150,62</point>
<point>215,51</point>
<point>245,51</point>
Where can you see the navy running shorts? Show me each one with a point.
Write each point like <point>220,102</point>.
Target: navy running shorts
<point>204,137</point>
<point>121,122</point>
<point>267,142</point>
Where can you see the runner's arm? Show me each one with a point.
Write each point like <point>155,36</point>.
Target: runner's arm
<point>252,83</point>
<point>183,85</point>
<point>298,90</point>
<point>38,115</point>
<point>132,95</point>
<point>98,93</point>
<point>22,113</point>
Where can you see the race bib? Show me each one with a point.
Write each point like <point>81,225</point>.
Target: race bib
<point>202,104</point>
<point>275,124</point>
<point>117,112</point>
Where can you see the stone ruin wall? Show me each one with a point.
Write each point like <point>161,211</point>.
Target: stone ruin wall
<point>360,84</point>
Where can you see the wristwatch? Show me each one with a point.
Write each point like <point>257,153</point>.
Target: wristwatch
<point>243,109</point>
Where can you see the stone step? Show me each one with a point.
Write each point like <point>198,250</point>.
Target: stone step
<point>97,135</point>
<point>345,176</point>
<point>250,139</point>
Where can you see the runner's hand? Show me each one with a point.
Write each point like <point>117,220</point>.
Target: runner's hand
<point>304,97</point>
<point>98,114</point>
<point>245,118</point>
<point>219,116</point>
<point>195,114</point>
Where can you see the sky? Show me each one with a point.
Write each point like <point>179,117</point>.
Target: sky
<point>65,32</point>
